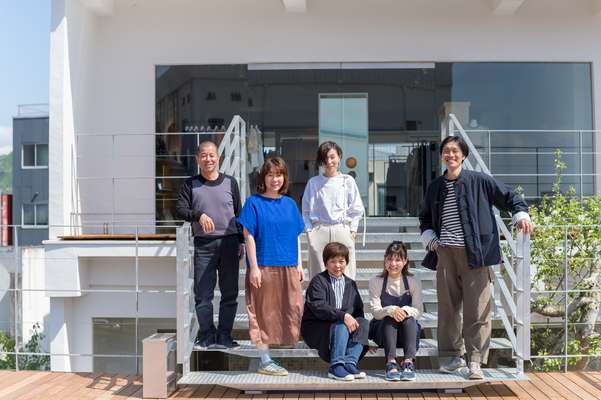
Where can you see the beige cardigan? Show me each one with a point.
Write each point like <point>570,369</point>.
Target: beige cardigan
<point>395,288</point>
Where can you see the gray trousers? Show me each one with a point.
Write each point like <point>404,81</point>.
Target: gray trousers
<point>461,287</point>
<point>320,236</point>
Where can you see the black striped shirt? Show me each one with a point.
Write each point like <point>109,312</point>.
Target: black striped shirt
<point>451,231</point>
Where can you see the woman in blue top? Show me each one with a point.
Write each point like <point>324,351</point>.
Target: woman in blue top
<point>272,227</point>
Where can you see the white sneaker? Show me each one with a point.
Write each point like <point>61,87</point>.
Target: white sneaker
<point>456,364</point>
<point>475,371</point>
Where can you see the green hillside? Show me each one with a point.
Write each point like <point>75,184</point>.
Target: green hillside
<point>6,173</point>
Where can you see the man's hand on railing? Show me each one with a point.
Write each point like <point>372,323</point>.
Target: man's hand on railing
<point>525,226</point>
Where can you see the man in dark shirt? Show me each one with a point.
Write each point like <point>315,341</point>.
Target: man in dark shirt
<point>211,202</point>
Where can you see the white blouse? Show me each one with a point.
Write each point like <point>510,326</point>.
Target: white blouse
<point>395,287</point>
<point>332,200</point>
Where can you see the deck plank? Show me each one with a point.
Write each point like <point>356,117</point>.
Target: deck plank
<point>551,389</point>
<point>567,384</point>
<point>590,386</point>
<point>43,385</point>
<point>26,390</point>
<point>475,393</point>
<point>488,392</point>
<point>21,382</point>
<point>518,390</point>
<point>27,385</point>
<point>117,383</point>
<point>127,390</point>
<point>502,390</point>
<point>534,391</point>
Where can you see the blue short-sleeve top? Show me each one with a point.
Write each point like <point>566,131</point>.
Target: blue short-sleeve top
<point>275,225</point>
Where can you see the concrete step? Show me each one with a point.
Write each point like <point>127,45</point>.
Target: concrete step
<point>365,273</point>
<point>391,224</point>
<point>427,348</point>
<point>428,297</point>
<point>365,254</point>
<point>382,237</point>
<point>314,381</point>
<point>381,240</point>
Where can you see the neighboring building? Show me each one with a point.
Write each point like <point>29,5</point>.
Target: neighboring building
<point>30,174</point>
<point>377,76</point>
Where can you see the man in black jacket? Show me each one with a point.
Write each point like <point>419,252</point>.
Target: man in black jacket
<point>457,221</point>
<point>211,202</point>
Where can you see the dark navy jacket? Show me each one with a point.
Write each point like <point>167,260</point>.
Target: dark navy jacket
<point>476,194</point>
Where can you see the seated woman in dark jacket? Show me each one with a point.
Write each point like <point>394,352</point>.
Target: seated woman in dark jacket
<point>333,320</point>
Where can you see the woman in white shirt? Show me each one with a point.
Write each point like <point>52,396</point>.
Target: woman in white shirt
<point>396,304</point>
<point>332,208</point>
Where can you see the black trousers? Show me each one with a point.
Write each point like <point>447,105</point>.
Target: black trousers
<point>400,334</point>
<point>216,259</point>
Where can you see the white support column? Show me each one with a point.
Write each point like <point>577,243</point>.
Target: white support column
<point>596,7</point>
<point>506,7</point>
<point>61,124</point>
<point>295,6</point>
<point>58,335</point>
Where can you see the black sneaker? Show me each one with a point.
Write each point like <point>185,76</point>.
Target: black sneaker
<point>206,342</point>
<point>225,342</point>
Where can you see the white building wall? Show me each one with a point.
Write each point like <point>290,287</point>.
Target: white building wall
<point>105,289</point>
<point>104,83</point>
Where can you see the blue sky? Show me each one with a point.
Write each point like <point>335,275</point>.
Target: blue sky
<point>24,49</point>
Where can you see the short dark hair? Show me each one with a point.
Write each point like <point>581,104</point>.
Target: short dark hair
<point>460,142</point>
<point>324,148</point>
<point>334,249</point>
<point>278,165</point>
<point>206,143</point>
<point>396,249</point>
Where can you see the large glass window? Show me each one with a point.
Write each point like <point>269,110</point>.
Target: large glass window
<point>113,337</point>
<point>517,115</point>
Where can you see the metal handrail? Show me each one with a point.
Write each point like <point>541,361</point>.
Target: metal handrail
<point>515,298</point>
<point>232,147</point>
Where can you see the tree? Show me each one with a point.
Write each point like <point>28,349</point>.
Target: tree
<point>566,254</point>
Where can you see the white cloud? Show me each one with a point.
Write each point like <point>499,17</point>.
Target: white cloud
<point>6,139</point>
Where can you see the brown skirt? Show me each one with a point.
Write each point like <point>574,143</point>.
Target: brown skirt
<point>275,309</point>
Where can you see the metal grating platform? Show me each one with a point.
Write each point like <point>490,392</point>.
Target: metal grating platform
<point>313,381</point>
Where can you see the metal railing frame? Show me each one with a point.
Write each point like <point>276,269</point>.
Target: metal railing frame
<point>514,296</point>
<point>579,152</point>
<point>18,290</point>
<point>232,147</point>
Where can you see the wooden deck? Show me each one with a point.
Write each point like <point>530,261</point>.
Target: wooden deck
<point>66,386</point>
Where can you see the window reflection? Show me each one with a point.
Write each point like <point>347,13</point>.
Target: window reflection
<point>496,102</point>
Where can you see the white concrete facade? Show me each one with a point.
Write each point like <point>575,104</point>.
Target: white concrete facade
<point>102,82</point>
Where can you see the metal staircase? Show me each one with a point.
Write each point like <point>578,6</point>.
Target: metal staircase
<point>511,316</point>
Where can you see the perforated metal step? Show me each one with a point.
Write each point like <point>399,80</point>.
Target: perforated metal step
<point>427,319</point>
<point>427,348</point>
